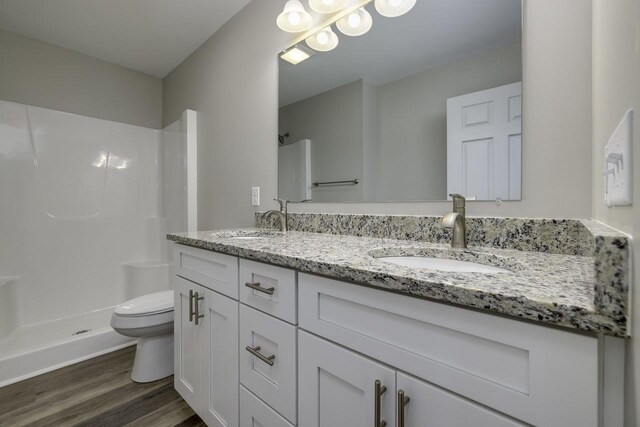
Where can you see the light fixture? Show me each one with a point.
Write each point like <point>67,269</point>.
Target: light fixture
<point>355,23</point>
<point>294,18</point>
<point>296,54</point>
<point>324,40</point>
<point>393,8</point>
<point>327,6</point>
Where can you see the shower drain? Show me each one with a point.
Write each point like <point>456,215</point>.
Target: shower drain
<point>81,331</point>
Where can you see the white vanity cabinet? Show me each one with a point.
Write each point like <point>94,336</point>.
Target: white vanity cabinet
<point>342,387</point>
<point>262,345</point>
<point>496,370</point>
<point>206,338</point>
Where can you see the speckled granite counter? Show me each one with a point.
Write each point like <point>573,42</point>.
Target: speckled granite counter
<point>571,291</point>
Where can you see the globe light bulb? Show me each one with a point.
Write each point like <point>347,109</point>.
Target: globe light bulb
<point>322,38</point>
<point>327,2</point>
<point>355,23</point>
<point>393,8</point>
<point>323,41</point>
<point>294,18</point>
<point>354,20</point>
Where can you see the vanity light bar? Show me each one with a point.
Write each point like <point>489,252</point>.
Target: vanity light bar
<point>351,20</point>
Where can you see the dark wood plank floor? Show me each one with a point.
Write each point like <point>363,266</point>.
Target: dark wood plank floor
<point>97,392</point>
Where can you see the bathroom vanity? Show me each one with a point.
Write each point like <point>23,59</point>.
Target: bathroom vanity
<point>310,329</point>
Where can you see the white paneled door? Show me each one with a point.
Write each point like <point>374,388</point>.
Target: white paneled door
<point>432,406</point>
<point>219,360</point>
<point>338,387</point>
<point>187,343</point>
<point>484,132</point>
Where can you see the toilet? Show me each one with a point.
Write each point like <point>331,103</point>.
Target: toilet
<point>150,319</point>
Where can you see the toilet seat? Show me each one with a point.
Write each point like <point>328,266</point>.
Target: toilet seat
<point>144,312</point>
<point>156,303</point>
<point>136,322</point>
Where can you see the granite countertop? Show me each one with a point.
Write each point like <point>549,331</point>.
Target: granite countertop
<point>554,289</point>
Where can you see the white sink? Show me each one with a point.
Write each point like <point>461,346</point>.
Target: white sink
<point>247,237</point>
<point>248,234</point>
<point>442,264</point>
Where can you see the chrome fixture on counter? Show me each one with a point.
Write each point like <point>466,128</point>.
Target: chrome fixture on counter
<point>282,214</point>
<point>456,221</point>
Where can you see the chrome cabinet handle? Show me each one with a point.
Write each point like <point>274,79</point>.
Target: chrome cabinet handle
<point>197,298</point>
<point>379,390</point>
<point>190,305</point>
<point>269,360</point>
<point>256,286</point>
<point>401,403</point>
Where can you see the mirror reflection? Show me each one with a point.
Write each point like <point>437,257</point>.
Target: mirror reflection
<point>420,106</point>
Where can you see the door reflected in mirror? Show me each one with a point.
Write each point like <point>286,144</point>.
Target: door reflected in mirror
<point>421,106</point>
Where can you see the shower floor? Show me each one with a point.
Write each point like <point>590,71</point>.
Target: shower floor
<point>42,347</point>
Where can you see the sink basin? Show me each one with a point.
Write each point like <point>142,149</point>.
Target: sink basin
<point>248,237</point>
<point>249,234</point>
<point>443,264</point>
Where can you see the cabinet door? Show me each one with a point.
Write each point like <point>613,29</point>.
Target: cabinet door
<point>219,359</point>
<point>431,406</point>
<point>337,386</point>
<point>187,344</point>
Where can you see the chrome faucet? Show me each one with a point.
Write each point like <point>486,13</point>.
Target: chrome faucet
<point>456,221</point>
<point>282,214</point>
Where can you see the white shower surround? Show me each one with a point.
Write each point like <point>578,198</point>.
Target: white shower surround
<point>82,229</point>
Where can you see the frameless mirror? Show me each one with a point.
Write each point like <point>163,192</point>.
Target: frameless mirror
<point>421,106</point>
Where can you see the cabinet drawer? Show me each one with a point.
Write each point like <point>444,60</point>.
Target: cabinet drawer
<point>539,375</point>
<point>254,412</point>
<point>269,289</point>
<point>274,381</point>
<point>212,270</point>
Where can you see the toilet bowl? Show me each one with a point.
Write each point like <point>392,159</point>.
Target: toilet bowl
<point>150,319</point>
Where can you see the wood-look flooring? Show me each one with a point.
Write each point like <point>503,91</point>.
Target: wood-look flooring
<point>96,392</point>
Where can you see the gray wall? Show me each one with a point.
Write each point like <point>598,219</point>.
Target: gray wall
<point>616,88</point>
<point>231,80</point>
<point>337,138</point>
<point>40,74</point>
<point>413,121</point>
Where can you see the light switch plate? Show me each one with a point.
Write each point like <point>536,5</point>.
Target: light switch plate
<point>255,196</point>
<point>618,164</point>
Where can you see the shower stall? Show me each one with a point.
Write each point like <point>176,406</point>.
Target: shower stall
<point>85,205</point>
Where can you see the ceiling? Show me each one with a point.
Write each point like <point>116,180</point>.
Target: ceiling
<point>151,36</point>
<point>433,33</point>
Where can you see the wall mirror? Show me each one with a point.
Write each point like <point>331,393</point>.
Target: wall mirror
<point>421,106</point>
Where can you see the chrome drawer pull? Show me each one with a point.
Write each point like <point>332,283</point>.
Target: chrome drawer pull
<point>400,405</point>
<point>197,315</point>
<point>256,287</point>
<point>190,305</point>
<point>379,391</point>
<point>269,360</point>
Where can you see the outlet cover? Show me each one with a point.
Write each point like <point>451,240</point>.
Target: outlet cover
<point>618,164</point>
<point>255,196</point>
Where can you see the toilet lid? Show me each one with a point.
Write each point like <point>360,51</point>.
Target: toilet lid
<point>159,302</point>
